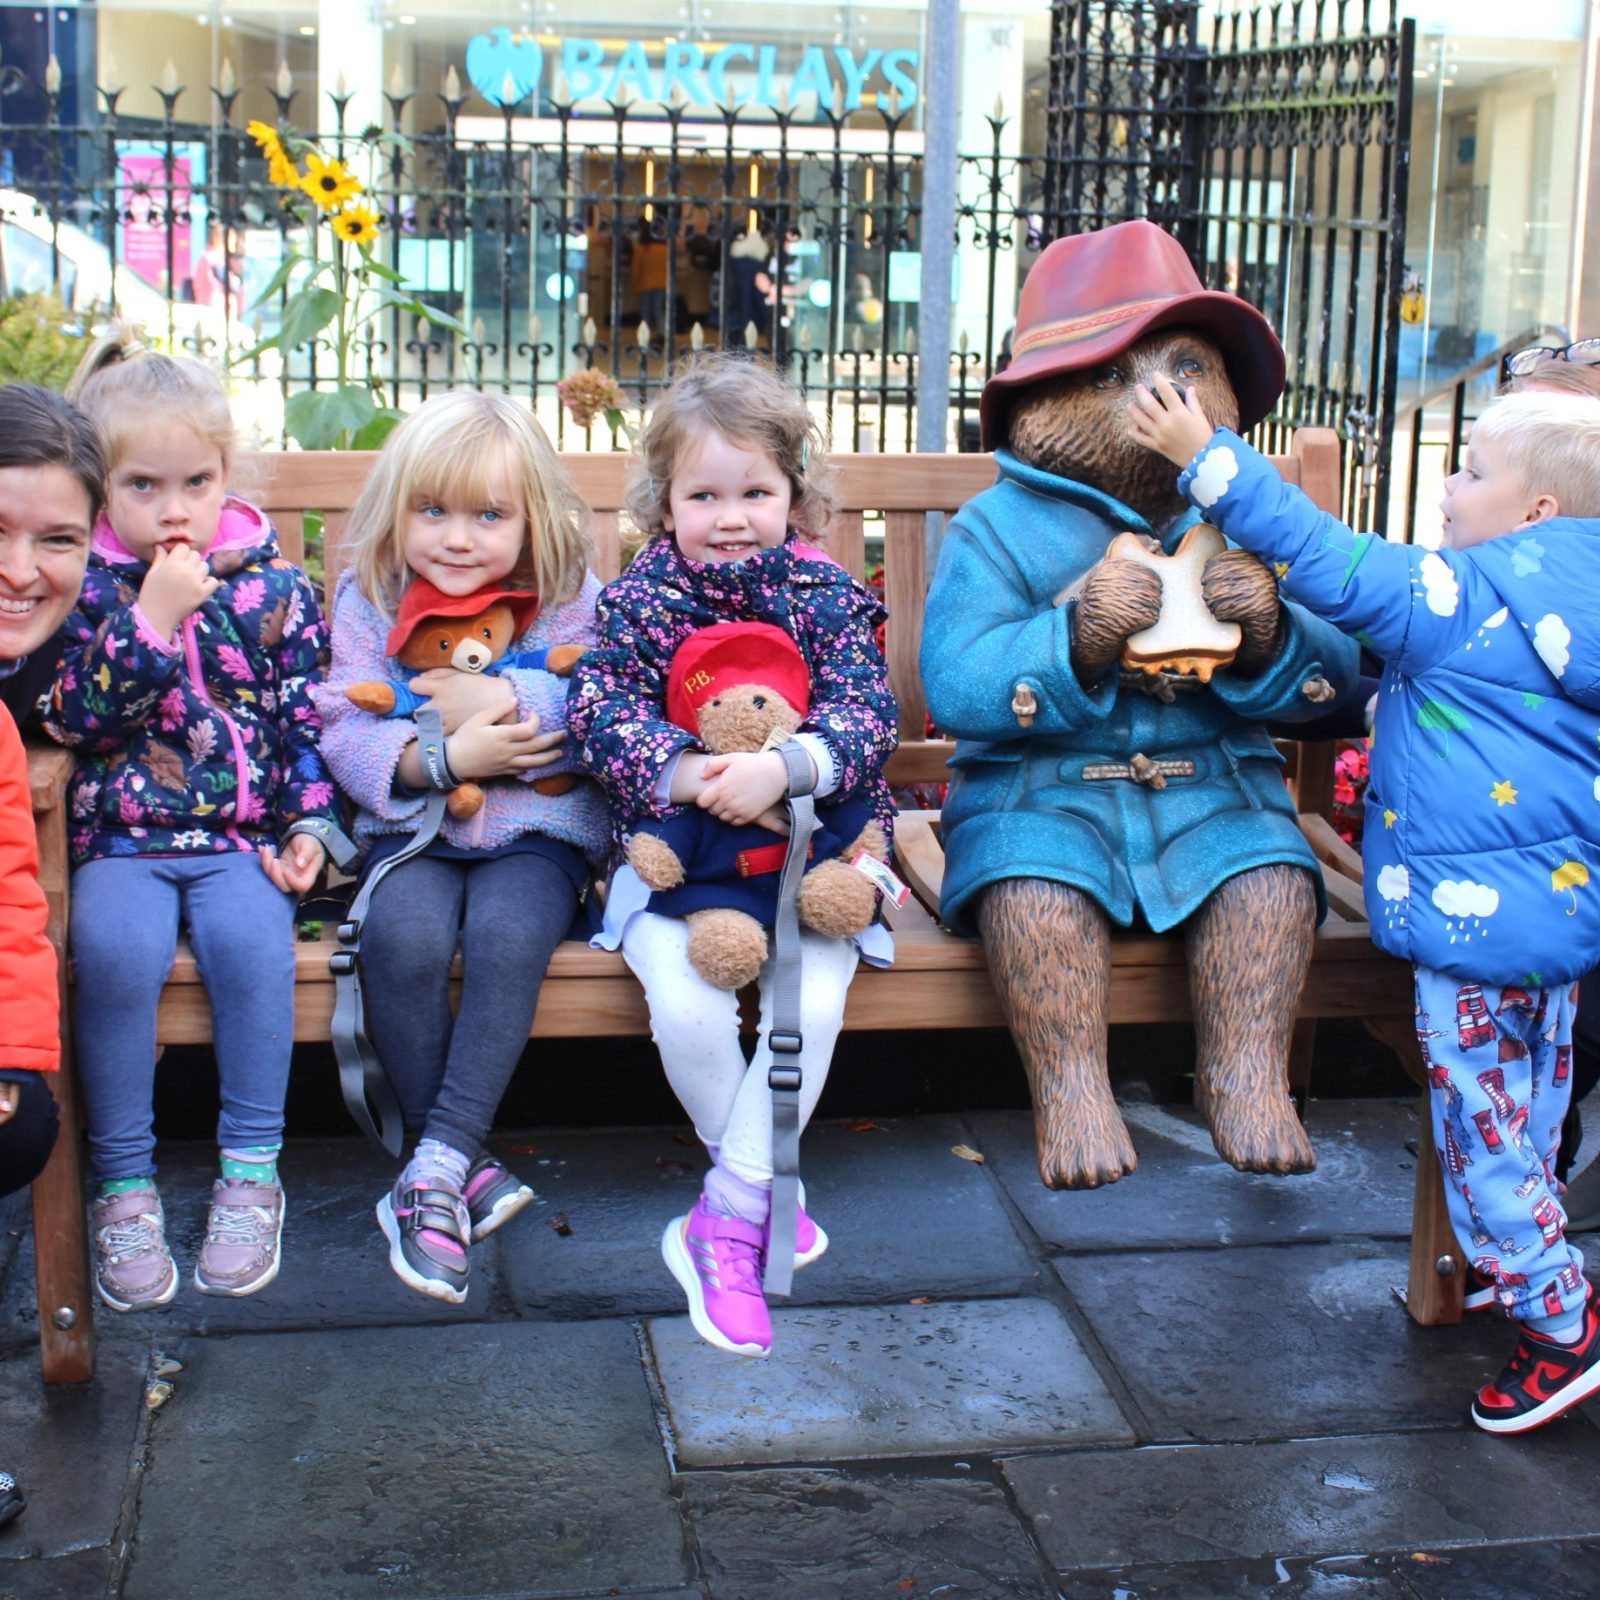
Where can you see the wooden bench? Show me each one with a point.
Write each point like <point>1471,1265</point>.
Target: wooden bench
<point>937,981</point>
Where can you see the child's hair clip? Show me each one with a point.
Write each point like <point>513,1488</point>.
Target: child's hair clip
<point>805,454</point>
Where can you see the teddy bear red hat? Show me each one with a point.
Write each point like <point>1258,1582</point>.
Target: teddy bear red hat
<point>728,653</point>
<point>1092,295</point>
<point>422,601</point>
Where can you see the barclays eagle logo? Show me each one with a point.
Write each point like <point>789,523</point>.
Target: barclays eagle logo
<point>502,69</point>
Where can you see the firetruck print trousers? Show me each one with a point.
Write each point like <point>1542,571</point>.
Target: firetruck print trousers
<point>1499,1064</point>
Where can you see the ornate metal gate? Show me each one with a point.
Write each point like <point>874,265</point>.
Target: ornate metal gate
<point>1275,144</point>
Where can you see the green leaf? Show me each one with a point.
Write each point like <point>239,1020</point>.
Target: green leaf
<point>316,418</point>
<point>382,425</point>
<point>306,315</point>
<point>279,278</point>
<point>440,318</point>
<point>381,270</point>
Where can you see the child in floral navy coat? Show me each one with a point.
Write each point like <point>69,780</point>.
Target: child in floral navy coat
<point>729,471</point>
<point>1481,845</point>
<point>199,794</point>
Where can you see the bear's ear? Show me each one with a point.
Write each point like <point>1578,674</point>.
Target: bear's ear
<point>429,647</point>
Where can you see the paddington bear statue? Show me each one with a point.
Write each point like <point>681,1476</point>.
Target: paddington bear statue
<point>1085,795</point>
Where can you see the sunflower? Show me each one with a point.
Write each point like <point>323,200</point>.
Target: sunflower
<point>280,169</point>
<point>329,183</point>
<point>356,224</point>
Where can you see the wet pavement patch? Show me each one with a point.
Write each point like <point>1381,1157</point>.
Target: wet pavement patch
<point>71,1448</point>
<point>430,1462</point>
<point>1183,1193</point>
<point>83,1576</point>
<point>842,1536</point>
<point>903,1216</point>
<point>1274,1342</point>
<point>1309,1498</point>
<point>851,1381</point>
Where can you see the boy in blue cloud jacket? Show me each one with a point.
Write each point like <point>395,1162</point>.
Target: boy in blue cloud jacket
<point>1482,839</point>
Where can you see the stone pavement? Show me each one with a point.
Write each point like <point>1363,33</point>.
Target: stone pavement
<point>1194,1384</point>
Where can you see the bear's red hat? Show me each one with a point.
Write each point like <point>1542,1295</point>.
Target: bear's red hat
<point>1091,295</point>
<point>422,601</point>
<point>729,653</point>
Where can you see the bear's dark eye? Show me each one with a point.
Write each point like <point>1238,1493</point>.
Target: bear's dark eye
<point>488,633</point>
<point>1190,367</point>
<point>760,702</point>
<point>716,702</point>
<point>1108,377</point>
<point>444,644</point>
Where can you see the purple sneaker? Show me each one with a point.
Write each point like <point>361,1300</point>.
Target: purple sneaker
<point>717,1262</point>
<point>493,1195</point>
<point>133,1269</point>
<point>244,1238</point>
<point>810,1242</point>
<point>427,1230</point>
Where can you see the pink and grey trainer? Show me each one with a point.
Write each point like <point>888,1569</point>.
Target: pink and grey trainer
<point>493,1195</point>
<point>428,1230</point>
<point>244,1238</point>
<point>717,1262</point>
<point>133,1269</point>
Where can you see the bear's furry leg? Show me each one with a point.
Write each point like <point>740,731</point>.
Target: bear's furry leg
<point>1049,952</point>
<point>1249,946</point>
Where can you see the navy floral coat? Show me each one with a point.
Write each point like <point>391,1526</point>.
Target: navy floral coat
<point>205,745</point>
<point>617,713</point>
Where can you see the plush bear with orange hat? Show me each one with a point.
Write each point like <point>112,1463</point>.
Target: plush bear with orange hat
<point>744,686</point>
<point>471,633</point>
<point>1090,791</point>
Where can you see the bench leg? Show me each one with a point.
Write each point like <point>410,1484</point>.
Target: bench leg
<point>61,1248</point>
<point>1433,1298</point>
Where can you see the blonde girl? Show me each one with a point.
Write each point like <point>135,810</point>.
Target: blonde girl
<point>467,501</point>
<point>198,798</point>
<point>729,486</point>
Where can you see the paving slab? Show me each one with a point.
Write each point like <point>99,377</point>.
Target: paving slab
<point>1309,1497</point>
<point>857,1381</point>
<point>1343,1580</point>
<point>495,1460</point>
<point>1509,1572</point>
<point>903,1216</point>
<point>840,1535</point>
<point>1272,1342</point>
<point>335,1261</point>
<point>83,1576</point>
<point>71,1447</point>
<point>1184,1194</point>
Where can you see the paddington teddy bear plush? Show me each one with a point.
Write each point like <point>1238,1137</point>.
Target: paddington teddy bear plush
<point>743,686</point>
<point>471,633</point>
<point>1094,788</point>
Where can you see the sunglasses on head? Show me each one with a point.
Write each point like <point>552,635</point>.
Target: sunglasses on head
<point>1581,353</point>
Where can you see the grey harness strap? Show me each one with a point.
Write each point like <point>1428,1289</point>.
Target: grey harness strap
<point>783,1033</point>
<point>367,1091</point>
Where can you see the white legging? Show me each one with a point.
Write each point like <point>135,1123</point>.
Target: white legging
<point>696,1027</point>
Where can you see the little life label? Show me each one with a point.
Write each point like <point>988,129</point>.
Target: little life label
<point>882,877</point>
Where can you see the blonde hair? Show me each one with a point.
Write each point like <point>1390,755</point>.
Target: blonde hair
<point>446,451</point>
<point>1551,376</point>
<point>1552,444</point>
<point>748,403</point>
<point>125,389</point>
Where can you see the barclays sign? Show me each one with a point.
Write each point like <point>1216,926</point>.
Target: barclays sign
<point>506,67</point>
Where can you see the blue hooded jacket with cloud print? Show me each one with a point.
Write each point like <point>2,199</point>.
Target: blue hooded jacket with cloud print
<point>1482,839</point>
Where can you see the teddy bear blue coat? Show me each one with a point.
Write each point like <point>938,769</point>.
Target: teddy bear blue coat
<point>1019,805</point>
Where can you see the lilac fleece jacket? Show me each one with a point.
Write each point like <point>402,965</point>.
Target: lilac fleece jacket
<point>362,750</point>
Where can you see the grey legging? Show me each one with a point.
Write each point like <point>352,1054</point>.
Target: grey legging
<point>507,914</point>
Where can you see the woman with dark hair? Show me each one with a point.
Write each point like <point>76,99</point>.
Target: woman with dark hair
<point>50,491</point>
